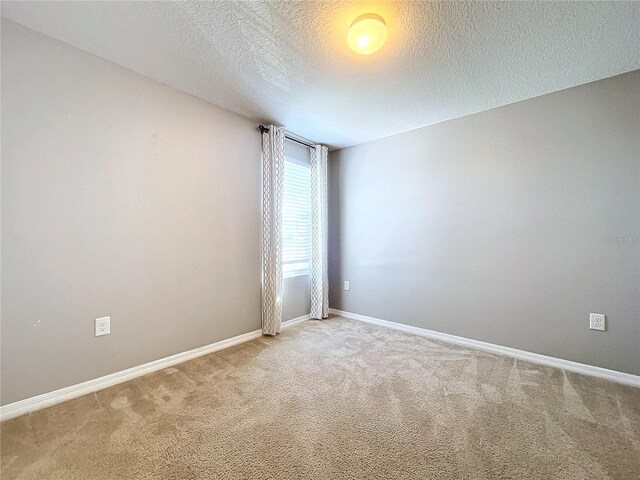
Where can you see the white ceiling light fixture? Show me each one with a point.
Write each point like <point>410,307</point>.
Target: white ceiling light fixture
<point>367,34</point>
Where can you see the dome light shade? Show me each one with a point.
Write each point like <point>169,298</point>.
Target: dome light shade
<point>367,34</point>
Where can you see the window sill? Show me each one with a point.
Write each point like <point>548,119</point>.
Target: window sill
<point>304,273</point>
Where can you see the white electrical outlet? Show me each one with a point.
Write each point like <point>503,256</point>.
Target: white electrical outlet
<point>346,284</point>
<point>103,326</point>
<point>597,321</point>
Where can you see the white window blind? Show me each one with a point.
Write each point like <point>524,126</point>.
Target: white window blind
<point>296,218</point>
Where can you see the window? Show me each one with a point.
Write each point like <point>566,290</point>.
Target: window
<point>296,218</point>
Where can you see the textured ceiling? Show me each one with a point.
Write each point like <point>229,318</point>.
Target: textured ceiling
<point>288,63</point>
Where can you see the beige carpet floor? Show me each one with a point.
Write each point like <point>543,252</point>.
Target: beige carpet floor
<point>337,399</point>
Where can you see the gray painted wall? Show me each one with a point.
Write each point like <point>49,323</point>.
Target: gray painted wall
<point>508,226</point>
<point>120,197</point>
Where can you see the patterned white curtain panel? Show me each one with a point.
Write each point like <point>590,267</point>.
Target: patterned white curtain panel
<point>272,193</point>
<point>319,233</point>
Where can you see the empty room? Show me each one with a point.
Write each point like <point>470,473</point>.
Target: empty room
<point>336,239</point>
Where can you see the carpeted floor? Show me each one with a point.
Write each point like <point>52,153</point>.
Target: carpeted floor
<point>337,399</point>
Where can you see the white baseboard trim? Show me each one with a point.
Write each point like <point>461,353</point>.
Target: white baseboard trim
<point>293,321</point>
<point>48,399</point>
<point>612,375</point>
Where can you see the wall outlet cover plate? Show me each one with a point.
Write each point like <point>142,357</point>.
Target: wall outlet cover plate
<point>103,326</point>
<point>597,321</point>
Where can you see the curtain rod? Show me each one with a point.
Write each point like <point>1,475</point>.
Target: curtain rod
<point>264,129</point>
